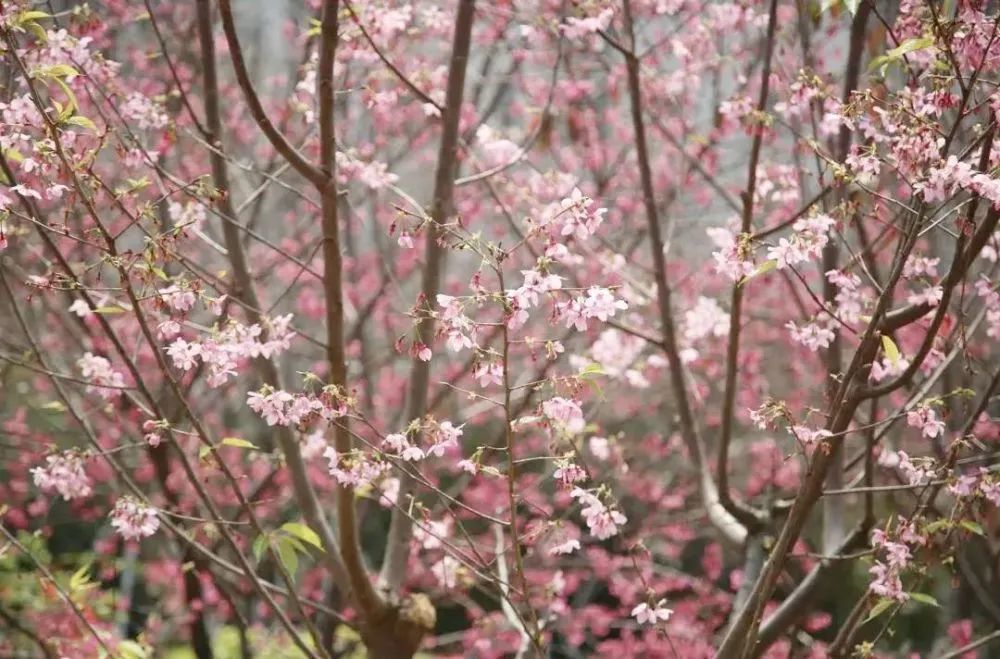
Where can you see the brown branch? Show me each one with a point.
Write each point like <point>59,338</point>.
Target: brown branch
<point>368,601</point>
<point>741,636</point>
<point>796,605</point>
<point>974,645</point>
<point>401,527</point>
<point>730,526</point>
<point>736,297</point>
<point>419,93</point>
<point>173,70</point>
<point>277,140</point>
<point>147,334</point>
<point>833,508</point>
<point>244,292</point>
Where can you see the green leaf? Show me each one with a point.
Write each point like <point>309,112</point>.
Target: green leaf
<point>911,45</point>
<point>129,649</point>
<point>55,71</point>
<point>53,406</point>
<point>287,555</point>
<point>66,114</point>
<point>80,579</point>
<point>37,30</point>
<point>73,105</point>
<point>109,310</point>
<point>304,533</point>
<point>972,527</point>
<point>132,185</point>
<point>852,6</point>
<point>238,442</point>
<point>937,525</point>
<point>296,544</point>
<point>890,349</point>
<point>880,607</point>
<point>346,633</point>
<point>766,266</point>
<point>363,491</point>
<point>32,15</point>
<point>82,122</point>
<point>924,598</point>
<point>259,545</point>
<point>591,371</point>
<point>897,53</point>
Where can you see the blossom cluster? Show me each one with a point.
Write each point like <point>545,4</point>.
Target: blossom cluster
<point>65,474</point>
<point>809,236</point>
<point>105,381</point>
<point>619,356</point>
<point>374,175</point>
<point>458,327</point>
<point>437,437</point>
<point>134,519</point>
<point>598,303</point>
<point>353,469</point>
<point>925,418</point>
<point>603,521</point>
<point>526,296</point>
<point>564,414</point>
<point>178,299</point>
<point>814,334</point>
<point>579,214</point>
<point>223,350</point>
<point>917,471</point>
<point>282,408</point>
<point>894,550</point>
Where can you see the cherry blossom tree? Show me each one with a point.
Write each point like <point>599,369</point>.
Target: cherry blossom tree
<point>639,328</point>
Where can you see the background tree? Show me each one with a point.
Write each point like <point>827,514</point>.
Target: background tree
<point>531,328</point>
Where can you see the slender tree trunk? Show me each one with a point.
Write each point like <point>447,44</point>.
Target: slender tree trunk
<point>401,526</point>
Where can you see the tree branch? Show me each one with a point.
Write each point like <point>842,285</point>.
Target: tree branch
<point>736,297</point>
<point>277,140</point>
<point>401,527</point>
<point>731,527</point>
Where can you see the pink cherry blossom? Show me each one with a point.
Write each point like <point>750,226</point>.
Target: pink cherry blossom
<point>442,264</point>
<point>814,335</point>
<point>133,519</point>
<point>565,413</point>
<point>105,381</point>
<point>489,373</point>
<point>177,298</point>
<point>645,614</point>
<point>575,28</point>
<point>925,418</point>
<point>64,473</point>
